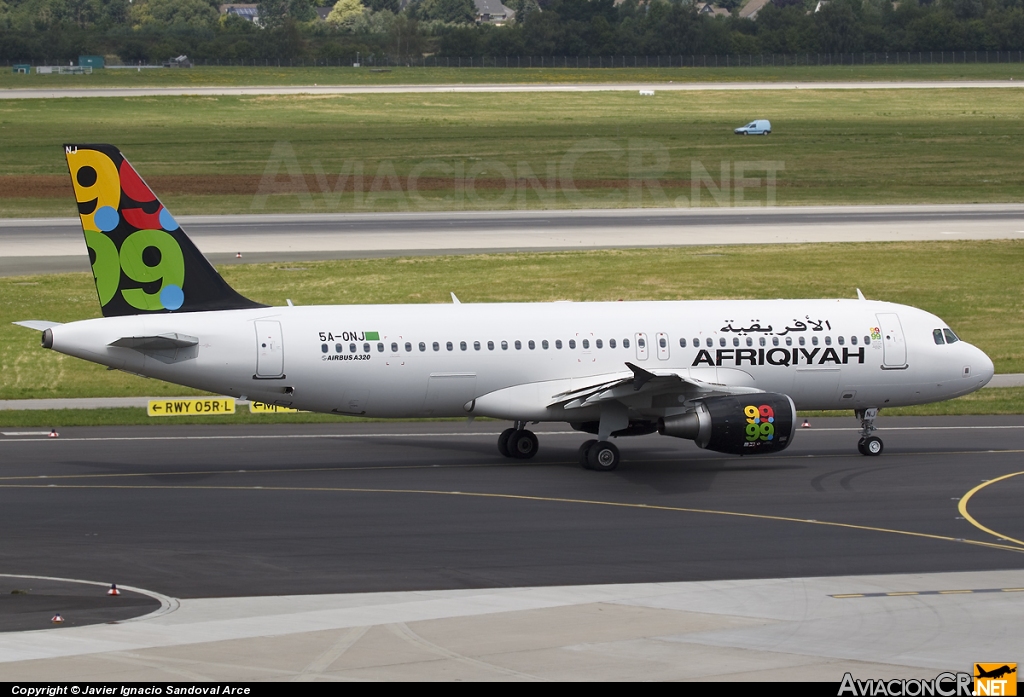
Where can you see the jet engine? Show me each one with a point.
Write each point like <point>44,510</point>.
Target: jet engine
<point>742,425</point>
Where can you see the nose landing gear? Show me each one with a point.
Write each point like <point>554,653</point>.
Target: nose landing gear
<point>868,444</point>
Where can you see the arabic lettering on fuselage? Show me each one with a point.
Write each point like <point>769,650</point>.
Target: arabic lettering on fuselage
<point>816,325</point>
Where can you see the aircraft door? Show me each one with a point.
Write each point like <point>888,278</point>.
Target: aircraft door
<point>641,346</point>
<point>662,339</point>
<point>269,349</point>
<point>894,346</point>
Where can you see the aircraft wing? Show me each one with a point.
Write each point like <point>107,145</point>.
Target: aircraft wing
<point>621,386</point>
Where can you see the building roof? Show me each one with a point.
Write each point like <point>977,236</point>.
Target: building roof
<point>492,9</point>
<point>322,12</point>
<point>751,9</point>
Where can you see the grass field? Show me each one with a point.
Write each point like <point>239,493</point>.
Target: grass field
<point>976,286</point>
<point>209,76</point>
<point>486,151</point>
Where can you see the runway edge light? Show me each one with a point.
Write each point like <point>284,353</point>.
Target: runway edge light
<point>53,433</point>
<point>57,619</point>
<point>113,590</point>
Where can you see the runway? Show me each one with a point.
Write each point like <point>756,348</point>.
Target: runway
<point>55,245</point>
<point>58,93</point>
<point>801,564</point>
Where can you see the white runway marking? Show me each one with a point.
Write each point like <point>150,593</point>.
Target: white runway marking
<point>454,434</point>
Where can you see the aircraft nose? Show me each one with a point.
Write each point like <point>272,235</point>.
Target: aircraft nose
<point>982,366</point>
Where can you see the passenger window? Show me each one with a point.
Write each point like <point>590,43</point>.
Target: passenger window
<point>394,348</point>
<point>682,343</point>
<point>663,342</point>
<point>750,341</point>
<point>324,348</point>
<point>710,343</point>
<point>476,345</point>
<point>853,340</point>
<point>735,341</point>
<point>423,347</point>
<point>828,341</point>
<point>625,343</point>
<point>449,346</point>
<point>721,341</point>
<point>599,343</point>
<point>531,344</point>
<point>504,346</point>
<point>366,348</point>
<point>803,341</point>
<point>867,340</point>
<point>408,347</point>
<point>558,343</point>
<point>337,348</point>
<point>951,338</point>
<point>519,345</point>
<point>462,346</point>
<point>586,343</point>
<point>437,346</point>
<point>352,348</point>
<point>841,340</point>
<point>380,348</point>
<point>775,341</point>
<point>490,345</point>
<point>544,344</point>
<point>762,341</point>
<point>814,340</point>
<point>611,343</point>
<point>789,341</point>
<point>572,343</point>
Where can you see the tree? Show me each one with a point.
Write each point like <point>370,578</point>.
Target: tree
<point>345,13</point>
<point>453,11</point>
<point>381,5</point>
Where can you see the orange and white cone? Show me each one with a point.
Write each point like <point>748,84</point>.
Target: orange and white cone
<point>113,590</point>
<point>238,255</point>
<point>57,619</point>
<point>53,433</point>
<point>807,424</point>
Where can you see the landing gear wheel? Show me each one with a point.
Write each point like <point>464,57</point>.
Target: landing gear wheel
<point>603,457</point>
<point>523,444</point>
<point>584,453</point>
<point>860,447</point>
<point>873,446</point>
<point>503,442</point>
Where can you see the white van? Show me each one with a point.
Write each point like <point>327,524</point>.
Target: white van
<point>760,127</point>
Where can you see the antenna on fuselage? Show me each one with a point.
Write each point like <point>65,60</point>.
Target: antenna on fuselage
<point>860,296</point>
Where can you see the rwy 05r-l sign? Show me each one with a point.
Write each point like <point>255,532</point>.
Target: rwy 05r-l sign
<point>199,406</point>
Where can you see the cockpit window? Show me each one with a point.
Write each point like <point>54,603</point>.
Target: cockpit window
<point>951,338</point>
<point>937,335</point>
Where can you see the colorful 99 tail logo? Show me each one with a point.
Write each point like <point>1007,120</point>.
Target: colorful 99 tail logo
<point>128,231</point>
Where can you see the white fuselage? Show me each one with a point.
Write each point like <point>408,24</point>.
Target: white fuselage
<point>451,360</point>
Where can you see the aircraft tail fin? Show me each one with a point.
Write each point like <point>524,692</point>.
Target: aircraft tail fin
<point>142,261</point>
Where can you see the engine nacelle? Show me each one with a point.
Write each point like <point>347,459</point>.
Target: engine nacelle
<point>741,425</point>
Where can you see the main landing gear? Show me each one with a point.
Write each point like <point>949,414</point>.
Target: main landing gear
<point>868,444</point>
<point>598,455</point>
<point>517,442</point>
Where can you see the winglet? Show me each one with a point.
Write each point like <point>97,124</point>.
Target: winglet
<point>640,376</point>
<point>454,299</point>
<point>860,296</point>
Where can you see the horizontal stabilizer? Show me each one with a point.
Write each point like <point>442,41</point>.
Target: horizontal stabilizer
<point>38,324</point>
<point>163,342</point>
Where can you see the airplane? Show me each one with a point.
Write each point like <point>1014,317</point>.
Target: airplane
<point>726,374</point>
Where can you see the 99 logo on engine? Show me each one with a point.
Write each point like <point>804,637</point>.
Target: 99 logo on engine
<point>760,422</point>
